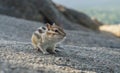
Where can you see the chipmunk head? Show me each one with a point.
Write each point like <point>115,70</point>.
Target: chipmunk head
<point>55,32</point>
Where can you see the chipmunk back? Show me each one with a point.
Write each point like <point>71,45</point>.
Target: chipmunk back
<point>37,37</point>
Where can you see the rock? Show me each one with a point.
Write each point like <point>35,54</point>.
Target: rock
<point>81,52</point>
<point>48,12</point>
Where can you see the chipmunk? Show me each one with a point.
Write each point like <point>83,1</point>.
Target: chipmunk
<point>46,39</point>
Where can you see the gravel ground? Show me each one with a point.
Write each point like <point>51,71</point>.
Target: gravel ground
<point>81,52</point>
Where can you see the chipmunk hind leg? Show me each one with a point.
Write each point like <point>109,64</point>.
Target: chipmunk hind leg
<point>35,47</point>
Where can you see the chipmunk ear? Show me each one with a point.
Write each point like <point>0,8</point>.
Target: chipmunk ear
<point>48,26</point>
<point>53,24</point>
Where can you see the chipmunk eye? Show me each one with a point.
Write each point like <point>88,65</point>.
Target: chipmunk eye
<point>56,30</point>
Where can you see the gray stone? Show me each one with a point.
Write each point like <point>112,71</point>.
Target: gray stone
<point>81,52</point>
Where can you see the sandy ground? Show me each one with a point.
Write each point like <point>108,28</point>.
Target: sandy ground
<point>81,52</point>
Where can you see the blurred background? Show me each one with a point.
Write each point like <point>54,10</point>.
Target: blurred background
<point>107,11</point>
<point>97,15</point>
